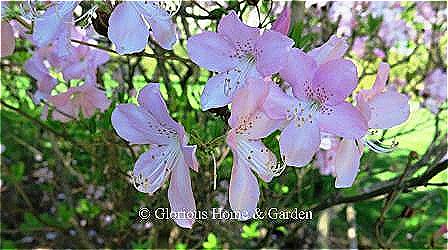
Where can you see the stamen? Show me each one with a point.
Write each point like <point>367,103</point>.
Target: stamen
<point>379,147</point>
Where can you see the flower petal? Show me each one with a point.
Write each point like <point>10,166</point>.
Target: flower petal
<point>164,31</point>
<point>48,26</point>
<point>243,190</point>
<point>235,30</point>
<point>298,144</point>
<point>152,168</point>
<point>180,195</point>
<point>345,121</point>
<point>8,41</point>
<point>338,78</point>
<point>255,155</point>
<point>211,51</point>
<point>347,163</point>
<point>283,22</point>
<point>127,30</point>
<point>277,103</point>
<point>334,48</point>
<point>272,50</point>
<point>137,126</point>
<point>380,82</point>
<point>221,88</point>
<point>299,72</point>
<point>152,101</point>
<point>388,109</point>
<point>190,157</point>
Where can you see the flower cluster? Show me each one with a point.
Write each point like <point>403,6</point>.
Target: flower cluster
<point>311,97</point>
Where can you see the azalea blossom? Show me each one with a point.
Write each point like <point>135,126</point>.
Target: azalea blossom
<point>84,99</point>
<point>318,104</point>
<point>130,22</point>
<point>150,123</point>
<point>249,125</point>
<point>382,109</point>
<point>283,22</point>
<point>435,91</point>
<point>236,51</point>
<point>84,60</point>
<point>54,27</point>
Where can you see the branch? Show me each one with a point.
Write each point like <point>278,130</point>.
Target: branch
<point>414,182</point>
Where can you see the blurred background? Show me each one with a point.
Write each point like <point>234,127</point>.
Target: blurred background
<point>66,185</point>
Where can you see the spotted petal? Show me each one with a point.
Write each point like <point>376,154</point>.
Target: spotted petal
<point>152,168</point>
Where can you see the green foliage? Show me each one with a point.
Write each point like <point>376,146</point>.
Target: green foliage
<point>211,243</point>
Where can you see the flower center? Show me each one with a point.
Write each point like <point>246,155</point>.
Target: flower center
<point>304,112</point>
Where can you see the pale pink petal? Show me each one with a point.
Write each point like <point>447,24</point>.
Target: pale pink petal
<point>99,57</point>
<point>76,70</point>
<point>151,169</point>
<point>283,21</point>
<point>273,48</point>
<point>334,48</point>
<point>248,99</point>
<point>344,121</point>
<point>277,103</point>
<point>98,99</point>
<point>299,144</point>
<point>347,163</point>
<point>180,195</point>
<point>299,72</point>
<point>127,30</point>
<point>163,31</point>
<point>8,40</point>
<point>338,78</point>
<point>388,109</point>
<point>243,190</point>
<point>190,157</point>
<point>211,51</point>
<point>51,25</point>
<point>163,28</point>
<point>235,30</point>
<point>221,88</point>
<point>379,84</point>
<point>255,155</point>
<point>137,126</point>
<point>152,101</point>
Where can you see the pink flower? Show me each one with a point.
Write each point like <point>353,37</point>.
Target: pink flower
<point>85,99</point>
<point>8,41</point>
<point>83,61</point>
<point>35,66</point>
<point>236,51</point>
<point>359,46</point>
<point>150,123</point>
<point>249,124</point>
<point>54,27</point>
<point>318,104</point>
<point>129,31</point>
<point>334,48</point>
<point>283,22</point>
<point>383,109</point>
